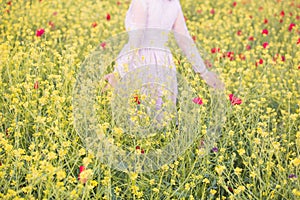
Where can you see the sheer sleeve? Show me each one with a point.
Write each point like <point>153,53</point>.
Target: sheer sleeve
<point>186,43</point>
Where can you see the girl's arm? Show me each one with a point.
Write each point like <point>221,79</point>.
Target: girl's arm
<point>186,43</point>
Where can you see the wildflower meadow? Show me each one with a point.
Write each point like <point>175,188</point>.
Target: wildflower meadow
<point>254,46</point>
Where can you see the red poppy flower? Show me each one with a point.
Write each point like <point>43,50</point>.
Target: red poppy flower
<point>139,148</point>
<point>299,67</point>
<point>234,4</point>
<point>212,11</point>
<point>282,13</point>
<point>136,99</point>
<point>230,55</point>
<point>54,13</point>
<point>282,58</point>
<point>194,38</point>
<point>40,32</point>
<point>275,57</point>
<point>9,3</point>
<point>118,3</point>
<point>50,23</point>
<point>265,21</point>
<point>298,17</point>
<point>94,24</point>
<point>81,169</point>
<point>251,38</point>
<point>298,42</point>
<point>248,47</point>
<point>265,31</point>
<point>103,44</point>
<point>265,44</point>
<point>261,61</point>
<point>198,101</point>
<point>291,26</point>
<point>108,17</point>
<point>281,20</point>
<point>239,32</point>
<point>199,11</point>
<point>242,56</point>
<point>234,100</point>
<point>36,85</point>
<point>215,50</point>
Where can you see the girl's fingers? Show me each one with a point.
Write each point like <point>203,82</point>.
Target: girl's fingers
<point>107,79</point>
<point>104,88</point>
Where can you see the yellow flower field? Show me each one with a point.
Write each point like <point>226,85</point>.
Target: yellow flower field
<point>255,47</point>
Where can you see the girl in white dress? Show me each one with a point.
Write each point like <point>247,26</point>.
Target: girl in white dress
<point>145,22</point>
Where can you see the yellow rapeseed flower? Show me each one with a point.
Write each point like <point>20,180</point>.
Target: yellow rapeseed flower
<point>206,181</point>
<point>213,192</point>
<point>296,162</point>
<point>61,174</point>
<point>238,171</point>
<point>219,169</point>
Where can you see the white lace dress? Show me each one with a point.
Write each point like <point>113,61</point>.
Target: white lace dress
<point>145,59</point>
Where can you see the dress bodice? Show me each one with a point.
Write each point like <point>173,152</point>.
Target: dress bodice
<point>160,14</point>
<point>149,22</point>
<point>158,21</point>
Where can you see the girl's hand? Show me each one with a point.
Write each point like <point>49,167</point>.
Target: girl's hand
<point>211,78</point>
<point>207,63</point>
<point>111,80</point>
